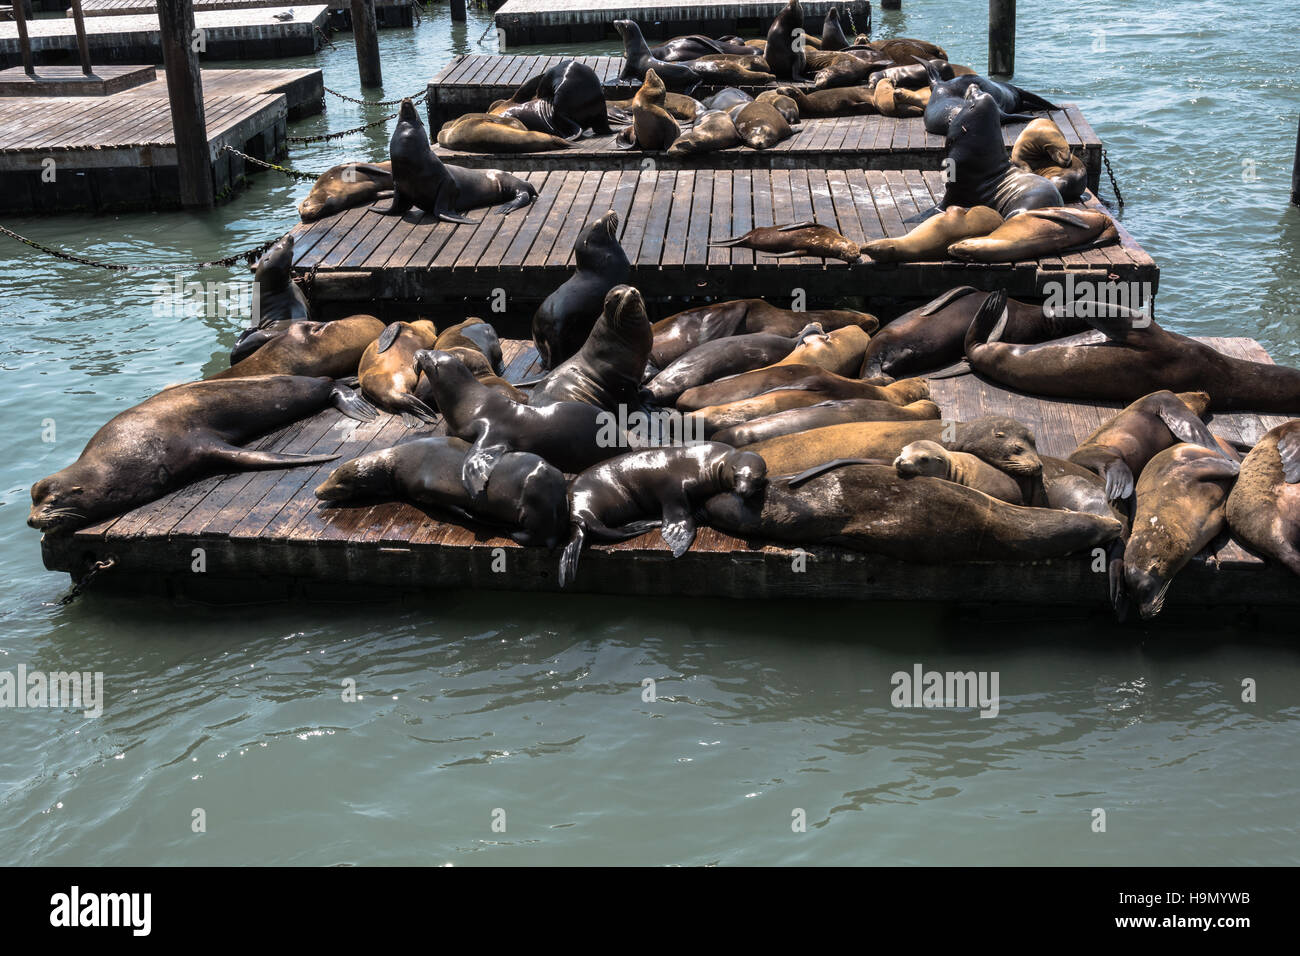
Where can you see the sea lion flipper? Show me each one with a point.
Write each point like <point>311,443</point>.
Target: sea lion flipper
<point>1119,480</point>
<point>678,531</point>
<point>479,462</point>
<point>446,216</point>
<point>793,253</point>
<point>952,371</point>
<point>806,224</point>
<point>989,322</point>
<point>1187,427</point>
<point>522,198</point>
<point>1033,101</point>
<point>1057,214</point>
<point>387,337</point>
<point>400,206</point>
<point>351,404</point>
<point>415,412</point>
<point>1288,449</point>
<point>249,459</point>
<point>572,552</point>
<point>943,301</point>
<point>809,474</point>
<point>1213,469</point>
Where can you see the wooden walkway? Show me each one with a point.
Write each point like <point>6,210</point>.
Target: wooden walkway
<point>567,21</point>
<point>229,35</point>
<point>667,219</point>
<point>264,534</point>
<point>388,13</point>
<point>117,152</point>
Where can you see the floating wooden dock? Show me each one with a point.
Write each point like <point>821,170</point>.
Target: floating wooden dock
<point>117,152</point>
<point>228,35</point>
<point>666,220</point>
<point>849,142</point>
<point>264,534</point>
<point>388,13</point>
<point>582,21</point>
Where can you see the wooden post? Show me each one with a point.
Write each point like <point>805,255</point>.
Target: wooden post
<point>24,42</point>
<point>1002,37</point>
<point>1295,172</point>
<point>365,31</point>
<point>83,48</point>
<point>185,93</point>
<point>458,10</point>
<point>891,4</point>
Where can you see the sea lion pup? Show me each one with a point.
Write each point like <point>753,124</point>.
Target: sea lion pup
<point>872,508</point>
<point>346,186</point>
<point>1264,507</point>
<point>1041,148</point>
<point>761,125</point>
<point>932,460</point>
<point>1035,233</point>
<point>1180,510</point>
<point>715,130</point>
<point>929,242</point>
<point>526,495</point>
<point>388,374</point>
<point>331,349</point>
<point>784,54</point>
<point>805,238</point>
<point>1003,442</point>
<point>474,333</point>
<point>833,37</point>
<point>839,352</point>
<point>949,96</point>
<point>1119,450</point>
<point>570,435</point>
<point>637,59</point>
<point>565,318</point>
<point>182,434</point>
<point>722,357</point>
<point>785,105</point>
<point>843,101</point>
<point>654,488</point>
<point>487,133</point>
<point>805,378</point>
<point>606,371</point>
<point>444,191</point>
<point>678,334</point>
<point>817,415</point>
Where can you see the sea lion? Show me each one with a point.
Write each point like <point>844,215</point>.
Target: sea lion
<point>654,488</point>
<point>680,49</point>
<point>637,59</point>
<point>679,333</point>
<point>761,125</point>
<point>785,46</point>
<point>345,186</point>
<point>839,352</point>
<point>388,374</point>
<point>837,70</point>
<point>726,68</point>
<point>916,76</point>
<point>895,101</point>
<point>785,105</point>
<point>721,357</point>
<point>727,98</point>
<point>566,100</point>
<point>486,133</point>
<point>473,333</point>
<point>833,37</point>
<point>572,436</point>
<point>714,130</point>
<point>606,371</point>
<point>1003,442</point>
<point>805,238</point>
<point>1264,508</point>
<point>932,460</point>
<point>929,241</point>
<point>818,415</point>
<point>714,420</point>
<point>844,101</point>
<point>182,434</point>
<point>422,179</point>
<point>1180,510</point>
<point>1041,148</point>
<point>1119,450</point>
<point>650,127</point>
<point>685,109</point>
<point>948,98</point>
<point>907,50</point>
<point>331,349</point>
<point>1127,356</point>
<point>872,508</point>
<point>279,300</point>
<point>565,318</point>
<point>526,495</point>
<point>807,378</point>
<point>1036,233</point>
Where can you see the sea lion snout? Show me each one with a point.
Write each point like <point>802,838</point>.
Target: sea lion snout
<point>406,112</point>
<point>748,473</point>
<point>53,508</point>
<point>1147,589</point>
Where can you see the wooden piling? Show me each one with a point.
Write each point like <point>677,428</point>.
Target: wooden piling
<point>365,30</point>
<point>185,94</point>
<point>20,18</point>
<point>458,10</point>
<point>83,48</point>
<point>1002,37</point>
<point>1295,172</point>
<point>891,4</point>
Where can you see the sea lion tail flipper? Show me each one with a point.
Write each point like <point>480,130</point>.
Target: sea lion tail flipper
<point>1214,469</point>
<point>479,462</point>
<point>792,254</point>
<point>1032,101</point>
<point>943,301</point>
<point>1017,118</point>
<point>351,404</point>
<point>1115,577</point>
<point>989,322</point>
<point>678,530</point>
<point>809,474</point>
<point>572,552</point>
<point>447,216</point>
<point>400,206</point>
<point>616,114</point>
<point>387,337</point>
<point>931,71</point>
<point>952,371</point>
<point>415,412</point>
<point>1119,480</point>
<point>522,198</point>
<point>733,241</point>
<point>805,224</point>
<point>249,459</point>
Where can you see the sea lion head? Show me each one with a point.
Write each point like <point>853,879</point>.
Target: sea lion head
<point>542,495</point>
<point>272,270</point>
<point>1146,582</point>
<point>1004,443</point>
<point>367,476</point>
<point>1041,144</point>
<point>61,503</point>
<point>595,248</point>
<point>652,92</point>
<point>406,113</point>
<point>926,458</point>
<point>744,472</point>
<point>446,373</point>
<point>625,312</point>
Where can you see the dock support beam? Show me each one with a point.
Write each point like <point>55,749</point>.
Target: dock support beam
<point>1295,172</point>
<point>185,93</point>
<point>24,42</point>
<point>365,31</point>
<point>891,4</point>
<point>83,48</point>
<point>1002,37</point>
<point>458,10</point>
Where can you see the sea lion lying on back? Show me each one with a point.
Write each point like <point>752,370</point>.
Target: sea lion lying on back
<point>474,333</point>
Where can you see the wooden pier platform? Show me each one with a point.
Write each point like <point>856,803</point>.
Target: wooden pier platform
<point>264,535</point>
<point>666,220</point>
<point>229,35</point>
<point>582,21</point>
<point>117,153</point>
<point>388,13</point>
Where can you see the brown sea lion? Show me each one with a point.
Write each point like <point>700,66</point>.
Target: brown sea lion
<point>907,50</point>
<point>839,352</point>
<point>760,124</point>
<point>896,101</point>
<point>1041,148</point>
<point>808,378</point>
<point>680,107</point>
<point>473,333</point>
<point>846,101</point>
<point>651,130</point>
<point>1264,507</point>
<point>346,186</point>
<point>331,349</point>
<point>606,372</point>
<point>730,69</point>
<point>929,241</point>
<point>1180,510</point>
<point>932,460</point>
<point>714,131</point>
<point>488,133</point>
<point>835,70</point>
<point>1036,233</point>
<point>916,76</point>
<point>388,374</point>
<point>816,415</point>
<point>715,419</point>
<point>805,238</point>
<point>719,358</point>
<point>785,105</point>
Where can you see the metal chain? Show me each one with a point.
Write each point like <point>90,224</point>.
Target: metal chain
<point>79,586</point>
<point>343,132</point>
<point>324,37</point>
<point>352,99</point>
<point>295,173</point>
<point>1105,158</point>
<point>249,256</point>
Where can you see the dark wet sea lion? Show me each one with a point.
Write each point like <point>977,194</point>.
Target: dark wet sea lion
<point>182,434</point>
<point>313,349</point>
<point>487,133</point>
<point>568,100</point>
<point>805,238</point>
<point>565,318</point>
<point>784,50</point>
<point>915,76</point>
<point>654,488</point>
<point>473,333</point>
<point>637,59</point>
<point>526,496</point>
<point>678,334</point>
<point>566,434</point>
<point>279,300</point>
<point>838,70</point>
<point>807,378</point>
<point>388,374</point>
<point>932,460</point>
<point>947,98</point>
<point>606,371</point>
<point>845,101</point>
<point>1041,148</point>
<point>1180,510</point>
<point>1264,508</point>
<point>1038,233</point>
<point>1128,356</point>
<point>691,47</point>
<point>820,414</point>
<point>346,186</point>
<point>714,130</point>
<point>833,37</point>
<point>871,508</point>
<point>722,357</point>
<point>422,179</point>
<point>761,125</point>
<point>929,241</point>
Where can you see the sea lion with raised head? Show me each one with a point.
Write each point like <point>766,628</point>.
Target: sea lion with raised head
<point>1037,233</point>
<point>932,460</point>
<point>761,125</point>
<point>346,186</point>
<point>805,238</point>
<point>833,37</point>
<point>331,349</point>
<point>805,378</point>
<point>1041,148</point>
<point>637,59</point>
<point>607,370</point>
<point>786,44</point>
<point>650,126</point>
<point>182,434</point>
<point>1264,508</point>
<point>279,300</point>
<point>719,358</point>
<point>929,241</point>
<point>489,133</point>
<point>817,415</point>
<point>388,374</point>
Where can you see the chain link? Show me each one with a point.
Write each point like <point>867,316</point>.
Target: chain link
<point>79,586</point>
<point>288,171</point>
<point>324,37</point>
<point>322,137</point>
<point>1105,158</point>
<point>249,256</point>
<point>352,99</point>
